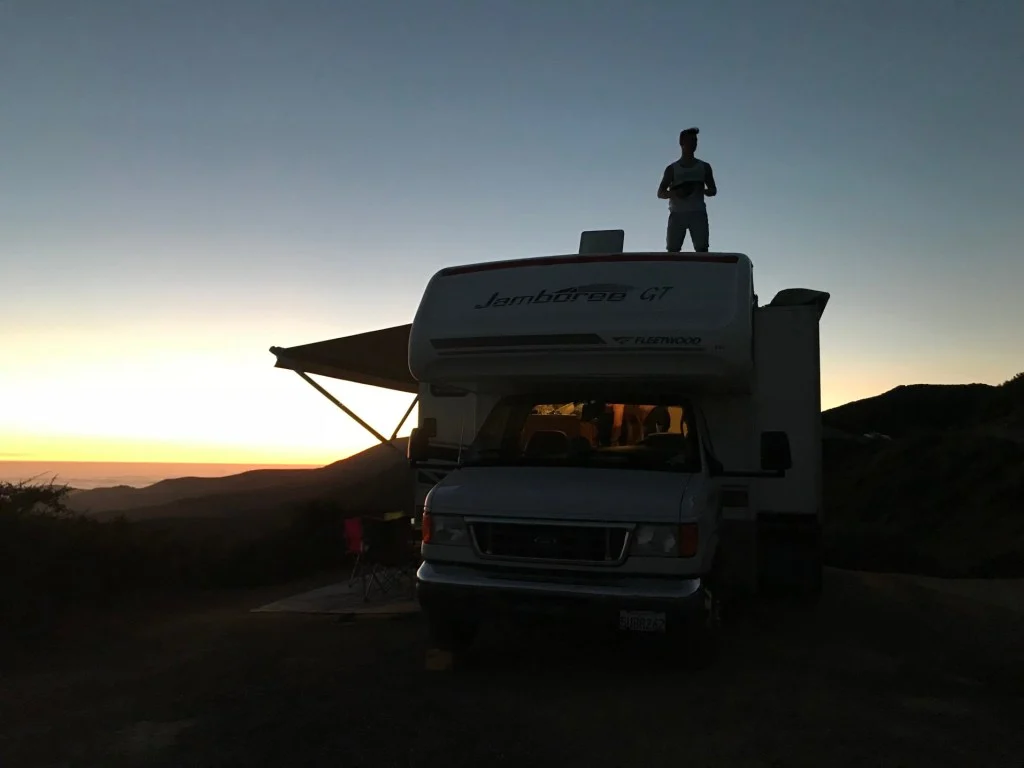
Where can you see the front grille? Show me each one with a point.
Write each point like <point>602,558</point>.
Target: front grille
<point>573,543</point>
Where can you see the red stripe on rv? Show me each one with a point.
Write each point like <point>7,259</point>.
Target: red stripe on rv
<point>548,261</point>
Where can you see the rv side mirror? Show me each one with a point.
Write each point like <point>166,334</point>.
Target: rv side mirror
<point>775,453</point>
<point>419,445</point>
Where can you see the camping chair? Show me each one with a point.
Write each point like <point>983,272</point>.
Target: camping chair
<point>388,556</point>
<point>354,546</point>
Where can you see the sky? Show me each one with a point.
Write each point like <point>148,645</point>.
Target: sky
<point>185,184</point>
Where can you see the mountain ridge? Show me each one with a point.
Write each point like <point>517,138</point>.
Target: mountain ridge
<point>255,490</point>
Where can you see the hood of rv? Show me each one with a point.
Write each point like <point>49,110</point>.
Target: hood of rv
<point>563,493</point>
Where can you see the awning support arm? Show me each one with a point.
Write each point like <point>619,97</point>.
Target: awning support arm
<point>406,416</point>
<point>349,413</point>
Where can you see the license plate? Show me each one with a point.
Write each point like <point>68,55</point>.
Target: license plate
<point>642,621</point>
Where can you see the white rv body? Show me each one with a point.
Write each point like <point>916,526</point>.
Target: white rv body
<point>682,331</point>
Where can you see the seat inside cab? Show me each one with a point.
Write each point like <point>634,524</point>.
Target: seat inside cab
<point>560,429</point>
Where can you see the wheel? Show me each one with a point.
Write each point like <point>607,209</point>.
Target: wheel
<point>707,631</point>
<point>452,632</point>
<point>791,564</point>
<point>700,635</point>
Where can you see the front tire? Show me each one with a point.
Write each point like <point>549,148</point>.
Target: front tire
<point>707,630</point>
<point>698,636</point>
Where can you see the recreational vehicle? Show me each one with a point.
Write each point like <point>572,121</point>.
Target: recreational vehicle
<point>629,435</point>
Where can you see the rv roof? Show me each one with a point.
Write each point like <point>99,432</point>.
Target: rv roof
<point>545,261</point>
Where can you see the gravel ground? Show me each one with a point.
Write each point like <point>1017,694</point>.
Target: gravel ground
<point>883,673</point>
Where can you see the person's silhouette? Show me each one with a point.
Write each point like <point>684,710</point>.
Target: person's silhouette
<point>685,184</point>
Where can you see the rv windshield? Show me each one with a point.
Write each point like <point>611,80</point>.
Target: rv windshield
<point>653,434</point>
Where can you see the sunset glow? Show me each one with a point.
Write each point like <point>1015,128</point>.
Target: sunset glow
<point>194,412</point>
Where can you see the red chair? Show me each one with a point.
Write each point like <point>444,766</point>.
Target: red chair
<point>386,555</point>
<point>354,545</point>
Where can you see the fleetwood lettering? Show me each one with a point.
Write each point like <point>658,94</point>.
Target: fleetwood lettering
<point>650,341</point>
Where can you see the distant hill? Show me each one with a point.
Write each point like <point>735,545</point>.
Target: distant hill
<point>374,480</point>
<point>931,408</point>
<point>944,496</point>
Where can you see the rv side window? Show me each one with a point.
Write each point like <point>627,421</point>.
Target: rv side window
<point>653,433</point>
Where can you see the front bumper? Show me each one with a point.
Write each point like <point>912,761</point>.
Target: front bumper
<point>459,589</point>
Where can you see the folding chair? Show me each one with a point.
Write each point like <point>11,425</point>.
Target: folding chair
<point>388,555</point>
<point>354,546</point>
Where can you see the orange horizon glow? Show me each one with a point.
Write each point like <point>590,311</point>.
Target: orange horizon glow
<point>127,450</point>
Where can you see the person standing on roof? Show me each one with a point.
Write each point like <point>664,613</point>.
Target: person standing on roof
<point>685,184</point>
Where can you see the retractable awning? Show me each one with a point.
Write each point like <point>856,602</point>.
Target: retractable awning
<point>377,358</point>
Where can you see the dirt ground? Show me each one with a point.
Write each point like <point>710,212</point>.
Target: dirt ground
<point>885,672</point>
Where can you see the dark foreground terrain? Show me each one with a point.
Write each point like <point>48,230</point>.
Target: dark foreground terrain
<point>883,673</point>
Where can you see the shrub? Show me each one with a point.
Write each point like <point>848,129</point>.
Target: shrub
<point>53,560</point>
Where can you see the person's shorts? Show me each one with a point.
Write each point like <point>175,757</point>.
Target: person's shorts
<point>681,222</point>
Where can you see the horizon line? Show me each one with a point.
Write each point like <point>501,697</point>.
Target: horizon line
<point>178,463</point>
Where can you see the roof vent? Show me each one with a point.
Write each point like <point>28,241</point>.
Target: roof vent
<point>602,241</point>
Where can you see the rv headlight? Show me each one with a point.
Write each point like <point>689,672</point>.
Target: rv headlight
<point>449,530</point>
<point>665,540</point>
<point>656,540</point>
